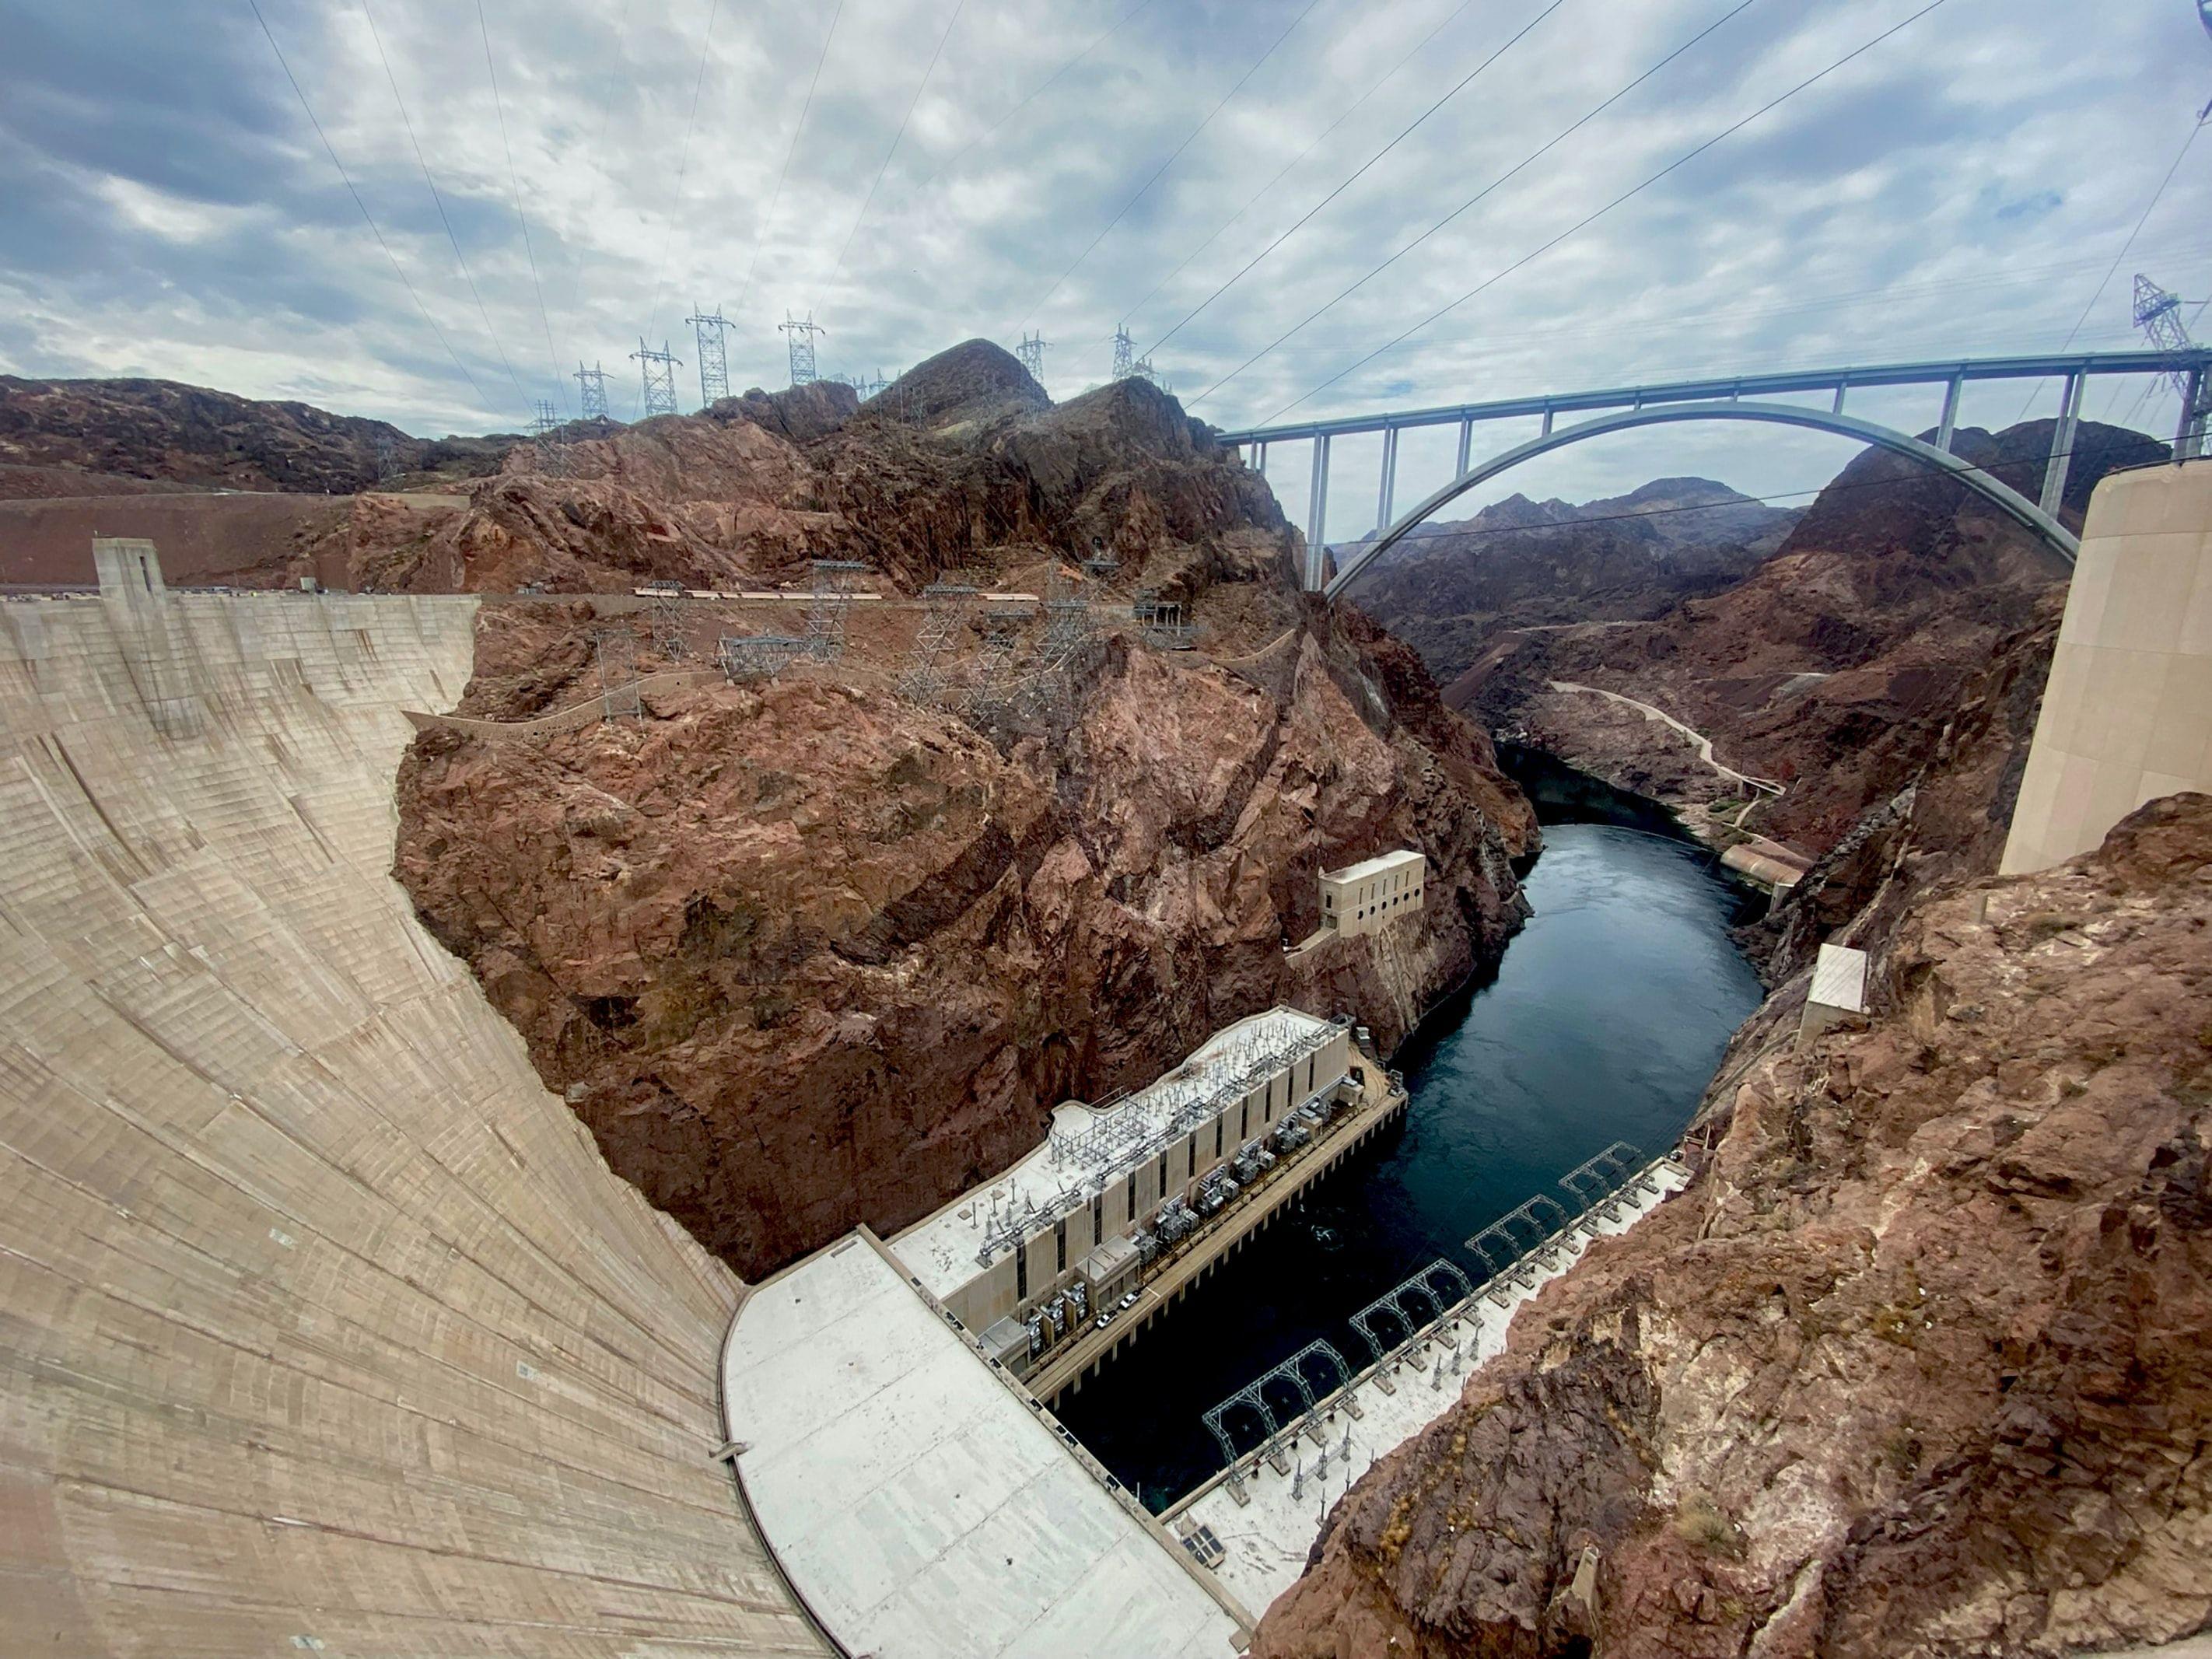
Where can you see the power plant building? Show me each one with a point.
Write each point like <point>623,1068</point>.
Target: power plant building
<point>1064,1234</point>
<point>1373,893</point>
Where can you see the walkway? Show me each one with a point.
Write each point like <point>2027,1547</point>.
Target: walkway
<point>1266,1517</point>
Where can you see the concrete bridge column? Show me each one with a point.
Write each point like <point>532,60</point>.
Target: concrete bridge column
<point>1945,427</point>
<point>2062,446</point>
<point>1317,518</point>
<point>1465,446</point>
<point>1388,486</point>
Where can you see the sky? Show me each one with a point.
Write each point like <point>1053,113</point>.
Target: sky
<point>498,193</point>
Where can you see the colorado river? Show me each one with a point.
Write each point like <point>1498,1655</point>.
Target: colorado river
<point>1603,1023</point>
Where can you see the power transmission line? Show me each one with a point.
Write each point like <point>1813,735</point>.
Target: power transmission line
<point>484,404</point>
<point>1096,41</point>
<point>459,258</point>
<point>868,201</point>
<point>599,148</point>
<point>1518,167</point>
<point>1583,224</point>
<point>684,164</point>
<point>1404,133</point>
<point>514,186</point>
<point>2105,281</point>
<point>767,219</point>
<point>1452,17</point>
<point>1171,160</point>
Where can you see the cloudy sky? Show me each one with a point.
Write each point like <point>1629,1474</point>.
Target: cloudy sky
<point>988,167</point>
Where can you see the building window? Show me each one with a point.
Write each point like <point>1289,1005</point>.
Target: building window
<point>1190,1157</point>
<point>1098,1219</point>
<point>1243,1120</point>
<point>1163,1177</point>
<point>1060,1245</point>
<point>1133,1196</point>
<point>1218,1122</point>
<point>1310,1061</point>
<point>1022,1271</point>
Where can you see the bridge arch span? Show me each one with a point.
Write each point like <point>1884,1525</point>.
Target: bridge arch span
<point>2010,501</point>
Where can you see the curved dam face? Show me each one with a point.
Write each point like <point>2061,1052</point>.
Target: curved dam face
<point>323,1325</point>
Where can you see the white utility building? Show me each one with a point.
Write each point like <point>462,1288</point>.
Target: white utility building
<point>1374,892</point>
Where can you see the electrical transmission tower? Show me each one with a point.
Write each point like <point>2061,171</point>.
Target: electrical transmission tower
<point>713,360</point>
<point>1031,353</point>
<point>387,457</point>
<point>657,373</point>
<point>617,655</point>
<point>832,600</point>
<point>1125,355</point>
<point>801,334</point>
<point>592,391</point>
<point>545,432</point>
<point>922,680</point>
<point>667,619</point>
<point>2158,314</point>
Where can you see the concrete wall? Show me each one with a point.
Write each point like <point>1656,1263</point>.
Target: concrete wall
<point>2127,713</point>
<point>323,1326</point>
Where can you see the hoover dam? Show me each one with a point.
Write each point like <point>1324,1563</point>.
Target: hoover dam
<point>324,1324</point>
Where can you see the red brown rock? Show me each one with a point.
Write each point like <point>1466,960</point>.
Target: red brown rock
<point>1915,1365</point>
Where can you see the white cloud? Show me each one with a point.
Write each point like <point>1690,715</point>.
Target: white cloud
<point>1959,189</point>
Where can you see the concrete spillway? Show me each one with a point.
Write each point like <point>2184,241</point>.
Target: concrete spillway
<point>323,1326</point>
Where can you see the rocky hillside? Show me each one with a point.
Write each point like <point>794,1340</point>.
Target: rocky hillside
<point>1832,669</point>
<point>1912,1366</point>
<point>807,951</point>
<point>1450,587</point>
<point>193,435</point>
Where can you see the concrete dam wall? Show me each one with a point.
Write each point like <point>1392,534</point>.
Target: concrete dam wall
<point>323,1325</point>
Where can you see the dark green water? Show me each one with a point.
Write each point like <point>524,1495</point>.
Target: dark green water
<point>1603,1023</point>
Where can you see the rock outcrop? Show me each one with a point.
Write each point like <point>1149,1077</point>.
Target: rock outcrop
<point>1912,1366</point>
<point>1454,584</point>
<point>809,952</point>
<point>1834,667</point>
<point>191,435</point>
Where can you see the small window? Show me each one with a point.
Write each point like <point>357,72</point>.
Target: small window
<point>1133,1196</point>
<point>1190,1157</point>
<point>1098,1219</point>
<point>1022,1271</point>
<point>1218,1122</point>
<point>1060,1245</point>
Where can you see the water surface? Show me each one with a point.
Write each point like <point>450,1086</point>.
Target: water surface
<point>1603,1023</point>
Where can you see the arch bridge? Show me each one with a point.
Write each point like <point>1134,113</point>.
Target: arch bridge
<point>1743,398</point>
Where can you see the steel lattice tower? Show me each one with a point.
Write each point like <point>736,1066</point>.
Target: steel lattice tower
<point>801,334</point>
<point>656,374</point>
<point>1031,352</point>
<point>592,391</point>
<point>1125,355</point>
<point>714,360</point>
<point>832,600</point>
<point>545,432</point>
<point>2158,314</point>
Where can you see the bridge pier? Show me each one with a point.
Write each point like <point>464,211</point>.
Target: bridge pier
<point>1949,423</point>
<point>2062,446</point>
<point>1389,482</point>
<point>1317,518</point>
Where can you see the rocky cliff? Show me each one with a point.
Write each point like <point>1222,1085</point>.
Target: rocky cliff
<point>191,435</point>
<point>807,951</point>
<point>1452,586</point>
<point>1833,668</point>
<point>1912,1366</point>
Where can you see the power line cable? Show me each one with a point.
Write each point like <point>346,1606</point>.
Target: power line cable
<point>1096,41</point>
<point>683,169</point>
<point>767,219</point>
<point>1252,200</point>
<point>459,258</point>
<point>868,201</point>
<point>484,404</point>
<point>2105,280</point>
<point>1526,161</point>
<point>514,186</point>
<point>1583,224</point>
<point>1404,133</point>
<point>599,148</point>
<point>1178,151</point>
